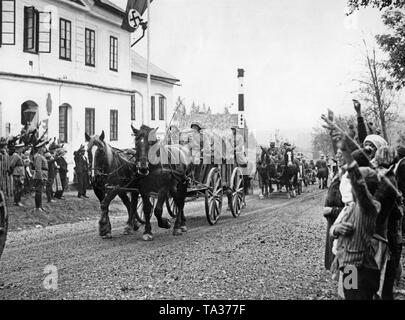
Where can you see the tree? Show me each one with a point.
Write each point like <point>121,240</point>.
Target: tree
<point>194,108</point>
<point>226,110</point>
<point>321,139</point>
<point>204,109</point>
<point>209,110</point>
<point>377,93</point>
<point>393,44</point>
<point>380,4</point>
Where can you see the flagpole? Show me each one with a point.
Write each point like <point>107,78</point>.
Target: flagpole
<point>148,85</point>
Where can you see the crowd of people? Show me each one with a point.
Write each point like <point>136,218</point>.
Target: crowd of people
<point>41,168</point>
<point>364,211</point>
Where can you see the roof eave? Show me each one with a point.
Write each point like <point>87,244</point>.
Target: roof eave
<point>109,8</point>
<point>157,78</point>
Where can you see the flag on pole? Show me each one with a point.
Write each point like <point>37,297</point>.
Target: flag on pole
<point>134,12</point>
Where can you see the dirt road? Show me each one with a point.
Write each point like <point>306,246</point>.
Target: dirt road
<point>274,250</point>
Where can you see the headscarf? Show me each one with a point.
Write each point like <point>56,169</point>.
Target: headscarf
<point>385,156</point>
<point>376,140</point>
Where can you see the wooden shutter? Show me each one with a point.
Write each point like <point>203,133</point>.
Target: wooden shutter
<point>7,22</point>
<point>45,32</point>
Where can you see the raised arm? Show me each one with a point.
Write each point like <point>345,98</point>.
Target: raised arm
<point>361,126</point>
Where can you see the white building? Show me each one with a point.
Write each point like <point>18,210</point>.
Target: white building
<point>71,63</point>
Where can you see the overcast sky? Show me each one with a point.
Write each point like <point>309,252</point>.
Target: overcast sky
<point>300,56</point>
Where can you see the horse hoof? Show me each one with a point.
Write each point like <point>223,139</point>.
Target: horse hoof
<point>129,230</point>
<point>147,237</point>
<point>107,236</point>
<point>177,232</point>
<point>183,228</point>
<point>164,223</point>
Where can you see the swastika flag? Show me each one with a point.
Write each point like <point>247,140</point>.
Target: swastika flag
<point>134,12</point>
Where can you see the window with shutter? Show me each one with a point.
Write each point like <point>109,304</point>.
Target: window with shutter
<point>31,32</point>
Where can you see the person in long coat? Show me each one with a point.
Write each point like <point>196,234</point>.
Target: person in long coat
<point>82,172</point>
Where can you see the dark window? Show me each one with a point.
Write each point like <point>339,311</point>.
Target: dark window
<point>113,125</point>
<point>31,29</point>
<point>7,22</point>
<point>161,108</point>
<point>65,40</point>
<point>133,109</point>
<point>152,108</point>
<point>113,53</point>
<point>90,48</point>
<point>63,124</point>
<point>89,121</point>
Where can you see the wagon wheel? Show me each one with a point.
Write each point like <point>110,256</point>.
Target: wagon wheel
<point>139,214</point>
<point>213,196</point>
<point>238,193</point>
<point>171,207</point>
<point>3,222</point>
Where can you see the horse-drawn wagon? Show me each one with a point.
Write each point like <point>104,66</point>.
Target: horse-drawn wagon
<point>211,180</point>
<point>159,174</point>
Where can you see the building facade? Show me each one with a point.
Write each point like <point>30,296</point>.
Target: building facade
<point>67,66</point>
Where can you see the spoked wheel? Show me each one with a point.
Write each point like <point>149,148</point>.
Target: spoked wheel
<point>213,196</point>
<point>238,193</point>
<point>3,221</point>
<point>139,214</point>
<point>171,207</point>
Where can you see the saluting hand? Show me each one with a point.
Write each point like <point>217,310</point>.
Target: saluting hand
<point>357,106</point>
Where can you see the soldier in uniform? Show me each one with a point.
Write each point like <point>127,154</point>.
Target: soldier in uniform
<point>273,149</point>
<point>200,147</point>
<point>40,174</point>
<point>238,147</point>
<point>16,169</point>
<point>63,170</point>
<point>321,164</point>
<point>51,176</point>
<point>82,172</point>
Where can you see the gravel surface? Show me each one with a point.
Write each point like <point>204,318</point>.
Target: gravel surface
<point>274,250</point>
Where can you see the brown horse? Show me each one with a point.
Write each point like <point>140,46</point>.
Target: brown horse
<point>266,168</point>
<point>162,169</point>
<point>111,167</point>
